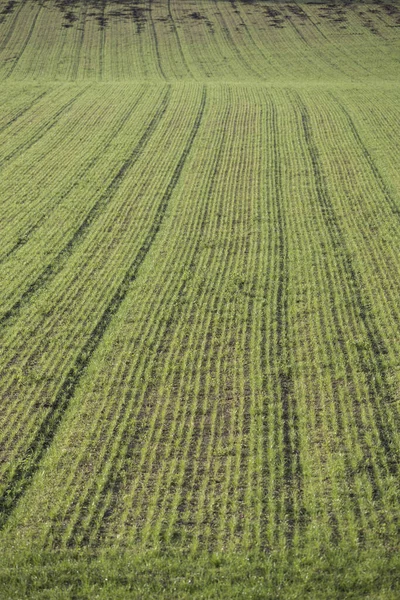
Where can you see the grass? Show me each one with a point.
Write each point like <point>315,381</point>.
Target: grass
<point>78,575</point>
<point>199,316</point>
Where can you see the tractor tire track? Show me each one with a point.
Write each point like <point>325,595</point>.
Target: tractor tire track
<point>197,446</point>
<point>236,8</point>
<point>103,25</point>
<point>44,436</point>
<point>233,46</point>
<point>12,27</point>
<point>371,361</point>
<point>280,370</point>
<point>42,132</point>
<point>153,27</point>
<point>55,267</point>
<point>178,40</point>
<point>323,56</point>
<point>92,163</point>
<point>367,155</point>
<point>24,110</point>
<point>113,483</point>
<point>76,61</point>
<point>26,42</point>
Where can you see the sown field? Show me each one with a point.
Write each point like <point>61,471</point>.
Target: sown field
<point>200,299</point>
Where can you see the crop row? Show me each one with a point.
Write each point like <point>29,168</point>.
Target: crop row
<point>210,355</point>
<point>94,148</point>
<point>109,237</point>
<point>209,40</point>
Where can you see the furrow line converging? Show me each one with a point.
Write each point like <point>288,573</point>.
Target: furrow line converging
<point>24,110</point>
<point>233,46</point>
<point>42,132</point>
<point>103,24</point>
<point>156,45</point>
<point>292,472</point>
<point>202,325</point>
<point>75,68</point>
<point>92,163</point>
<point>374,368</point>
<point>43,437</point>
<point>55,267</point>
<point>26,42</point>
<point>114,482</point>
<point>178,40</point>
<point>193,261</point>
<point>12,27</point>
<point>367,155</point>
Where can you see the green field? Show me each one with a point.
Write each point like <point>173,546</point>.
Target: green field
<point>200,299</point>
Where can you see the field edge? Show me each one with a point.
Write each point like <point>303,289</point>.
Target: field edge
<point>372,573</point>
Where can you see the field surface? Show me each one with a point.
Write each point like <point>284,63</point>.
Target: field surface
<point>199,309</point>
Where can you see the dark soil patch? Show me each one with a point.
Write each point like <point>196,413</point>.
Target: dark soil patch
<point>126,10</point>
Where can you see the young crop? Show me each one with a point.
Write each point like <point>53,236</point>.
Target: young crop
<point>199,316</point>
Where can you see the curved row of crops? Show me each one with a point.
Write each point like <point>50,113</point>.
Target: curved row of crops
<point>203,40</point>
<point>199,316</point>
<point>203,329</point>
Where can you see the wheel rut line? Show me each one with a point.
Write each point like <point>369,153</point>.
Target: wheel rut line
<point>61,47</point>
<point>157,48</point>
<point>322,34</point>
<point>191,443</point>
<point>233,47</point>
<point>375,373</point>
<point>12,27</point>
<point>115,481</point>
<point>24,110</point>
<point>55,267</point>
<point>102,21</point>
<point>187,482</point>
<point>75,69</point>
<point>42,132</point>
<point>367,155</point>
<point>366,447</point>
<point>178,40</point>
<point>25,44</point>
<point>322,56</point>
<point>66,193</point>
<point>292,470</point>
<point>236,9</point>
<point>24,473</point>
<point>307,16</point>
